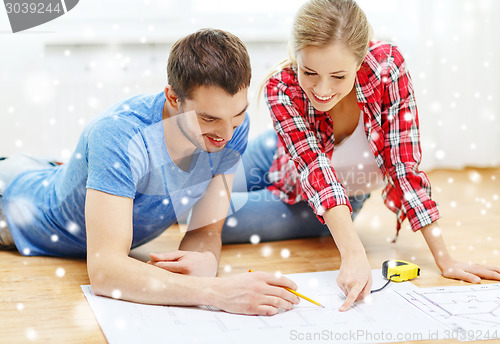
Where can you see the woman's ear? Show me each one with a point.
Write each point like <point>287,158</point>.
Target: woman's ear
<point>172,98</point>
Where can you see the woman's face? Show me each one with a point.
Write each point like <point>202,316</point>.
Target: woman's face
<point>326,74</point>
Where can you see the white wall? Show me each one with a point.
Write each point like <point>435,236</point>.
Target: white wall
<point>56,77</point>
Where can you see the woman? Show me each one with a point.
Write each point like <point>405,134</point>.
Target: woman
<point>346,118</point>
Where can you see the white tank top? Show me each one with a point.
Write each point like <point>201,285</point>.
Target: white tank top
<point>355,164</point>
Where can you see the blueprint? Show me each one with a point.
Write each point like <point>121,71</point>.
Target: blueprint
<point>382,317</point>
<point>468,312</point>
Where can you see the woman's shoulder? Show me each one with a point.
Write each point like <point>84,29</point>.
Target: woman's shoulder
<point>383,63</point>
<point>285,79</point>
<point>381,52</point>
<point>286,74</point>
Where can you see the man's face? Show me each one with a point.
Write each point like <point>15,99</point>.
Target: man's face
<point>210,116</point>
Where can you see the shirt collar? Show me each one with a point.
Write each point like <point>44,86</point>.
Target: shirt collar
<point>366,78</point>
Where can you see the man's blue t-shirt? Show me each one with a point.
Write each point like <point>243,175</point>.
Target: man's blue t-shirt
<point>121,152</point>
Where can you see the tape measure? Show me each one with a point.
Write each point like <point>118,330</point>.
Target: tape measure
<point>398,271</point>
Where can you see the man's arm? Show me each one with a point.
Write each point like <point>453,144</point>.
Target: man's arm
<point>208,216</point>
<point>113,273</point>
<point>199,251</point>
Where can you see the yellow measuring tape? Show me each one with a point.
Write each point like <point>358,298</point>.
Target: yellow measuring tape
<point>398,271</point>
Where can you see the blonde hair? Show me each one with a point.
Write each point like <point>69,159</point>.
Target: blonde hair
<point>323,22</point>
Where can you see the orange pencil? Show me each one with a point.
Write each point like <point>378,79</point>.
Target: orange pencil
<point>300,295</point>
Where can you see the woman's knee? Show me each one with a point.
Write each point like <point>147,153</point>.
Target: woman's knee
<point>256,162</point>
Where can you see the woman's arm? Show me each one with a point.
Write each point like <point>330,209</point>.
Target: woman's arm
<point>451,268</point>
<point>355,278</point>
<point>324,192</point>
<point>295,127</point>
<point>410,190</point>
<point>412,186</point>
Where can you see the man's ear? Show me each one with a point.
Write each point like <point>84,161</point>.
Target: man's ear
<point>172,98</point>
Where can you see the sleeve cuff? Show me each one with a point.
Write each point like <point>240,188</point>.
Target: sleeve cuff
<point>328,198</point>
<point>423,215</point>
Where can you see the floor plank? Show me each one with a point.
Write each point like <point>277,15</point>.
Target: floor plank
<point>41,299</point>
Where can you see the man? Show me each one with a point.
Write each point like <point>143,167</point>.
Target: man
<point>136,168</point>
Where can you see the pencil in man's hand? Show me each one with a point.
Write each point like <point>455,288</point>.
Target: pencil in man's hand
<point>304,297</point>
<point>300,295</point>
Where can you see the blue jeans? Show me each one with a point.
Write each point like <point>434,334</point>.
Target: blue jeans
<point>9,169</point>
<point>264,214</point>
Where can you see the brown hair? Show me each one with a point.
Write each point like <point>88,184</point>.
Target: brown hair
<point>208,57</point>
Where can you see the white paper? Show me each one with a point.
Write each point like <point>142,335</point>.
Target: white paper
<point>384,316</point>
<point>468,312</point>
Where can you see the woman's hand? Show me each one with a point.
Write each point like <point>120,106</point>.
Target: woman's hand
<point>451,268</point>
<point>355,279</point>
<point>355,276</point>
<point>201,264</point>
<point>472,273</point>
<point>256,293</point>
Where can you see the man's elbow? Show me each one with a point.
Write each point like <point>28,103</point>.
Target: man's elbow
<point>101,278</point>
<point>98,280</point>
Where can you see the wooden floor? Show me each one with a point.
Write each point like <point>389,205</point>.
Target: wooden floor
<point>41,300</point>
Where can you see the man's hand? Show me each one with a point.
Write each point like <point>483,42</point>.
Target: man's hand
<point>256,293</point>
<point>471,273</point>
<point>201,264</point>
<point>355,279</point>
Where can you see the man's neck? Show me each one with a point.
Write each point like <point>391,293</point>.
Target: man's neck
<point>180,149</point>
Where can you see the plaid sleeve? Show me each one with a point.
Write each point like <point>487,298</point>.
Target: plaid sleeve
<point>317,177</point>
<point>402,139</point>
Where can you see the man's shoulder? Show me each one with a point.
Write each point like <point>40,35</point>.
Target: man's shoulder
<point>129,115</point>
<point>112,124</point>
<point>141,106</point>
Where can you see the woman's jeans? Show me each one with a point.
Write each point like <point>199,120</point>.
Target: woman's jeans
<point>261,215</point>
